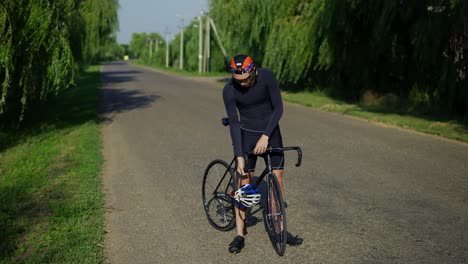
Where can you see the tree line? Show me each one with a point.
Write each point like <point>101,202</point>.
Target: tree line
<point>412,53</point>
<point>44,44</point>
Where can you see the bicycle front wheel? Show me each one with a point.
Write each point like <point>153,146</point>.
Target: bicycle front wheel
<point>276,215</point>
<point>216,192</point>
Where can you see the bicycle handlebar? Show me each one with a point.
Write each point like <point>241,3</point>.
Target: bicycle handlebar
<point>225,122</point>
<point>298,149</point>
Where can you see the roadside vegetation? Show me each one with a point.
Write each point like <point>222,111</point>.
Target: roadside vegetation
<point>44,45</point>
<point>51,202</point>
<point>51,208</point>
<point>383,110</point>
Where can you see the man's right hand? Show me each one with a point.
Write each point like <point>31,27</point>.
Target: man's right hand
<point>241,166</point>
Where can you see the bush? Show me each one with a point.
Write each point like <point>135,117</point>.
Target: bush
<point>373,100</point>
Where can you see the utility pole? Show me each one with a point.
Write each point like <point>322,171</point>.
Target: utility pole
<point>200,43</point>
<point>167,47</point>
<point>200,38</point>
<point>182,45</point>
<point>219,42</point>
<point>150,48</point>
<point>207,44</point>
<point>182,48</point>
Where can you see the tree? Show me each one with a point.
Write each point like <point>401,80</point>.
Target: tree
<point>44,43</point>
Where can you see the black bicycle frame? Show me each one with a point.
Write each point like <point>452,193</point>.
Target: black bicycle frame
<point>225,173</point>
<point>225,122</point>
<point>268,169</point>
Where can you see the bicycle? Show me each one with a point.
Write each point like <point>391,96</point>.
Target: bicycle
<point>218,197</point>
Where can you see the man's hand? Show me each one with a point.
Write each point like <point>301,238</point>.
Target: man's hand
<point>262,145</point>
<point>241,166</point>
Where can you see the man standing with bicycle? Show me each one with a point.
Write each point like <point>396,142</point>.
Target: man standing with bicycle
<point>255,94</point>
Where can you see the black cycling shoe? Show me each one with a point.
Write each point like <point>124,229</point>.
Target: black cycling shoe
<point>293,240</point>
<point>236,245</point>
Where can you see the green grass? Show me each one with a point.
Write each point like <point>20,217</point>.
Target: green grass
<point>51,203</point>
<point>443,127</point>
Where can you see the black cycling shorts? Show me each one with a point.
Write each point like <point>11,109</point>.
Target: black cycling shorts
<point>249,141</point>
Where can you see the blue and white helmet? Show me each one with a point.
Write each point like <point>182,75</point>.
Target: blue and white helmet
<point>247,196</point>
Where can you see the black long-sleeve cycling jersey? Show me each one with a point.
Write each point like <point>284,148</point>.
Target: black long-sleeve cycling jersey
<point>260,107</point>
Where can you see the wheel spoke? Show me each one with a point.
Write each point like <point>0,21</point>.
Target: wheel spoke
<point>276,218</point>
<point>216,190</point>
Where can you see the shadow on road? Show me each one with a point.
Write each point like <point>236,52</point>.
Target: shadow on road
<point>114,100</point>
<point>112,77</point>
<point>115,63</point>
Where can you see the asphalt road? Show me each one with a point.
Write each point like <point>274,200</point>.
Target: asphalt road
<point>366,193</point>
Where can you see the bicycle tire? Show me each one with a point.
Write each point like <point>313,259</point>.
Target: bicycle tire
<point>216,194</point>
<point>275,215</point>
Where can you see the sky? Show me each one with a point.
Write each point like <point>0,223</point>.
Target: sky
<point>138,16</point>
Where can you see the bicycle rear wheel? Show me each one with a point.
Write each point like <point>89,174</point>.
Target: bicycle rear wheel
<point>216,192</point>
<point>275,215</point>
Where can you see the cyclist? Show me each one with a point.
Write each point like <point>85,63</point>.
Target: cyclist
<point>255,94</point>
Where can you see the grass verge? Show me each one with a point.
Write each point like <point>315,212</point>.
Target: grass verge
<point>51,203</point>
<point>451,129</point>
